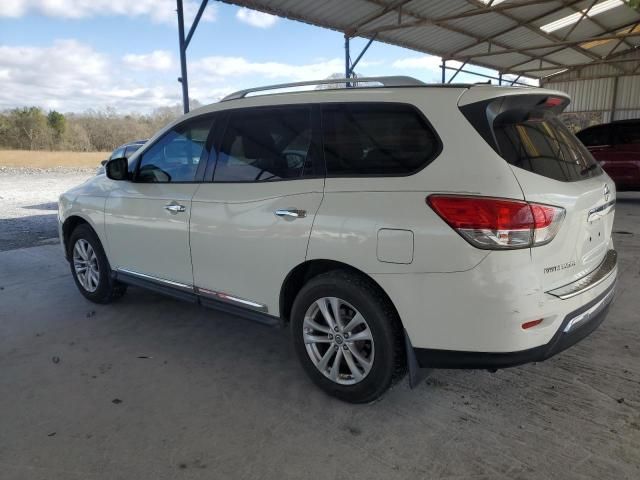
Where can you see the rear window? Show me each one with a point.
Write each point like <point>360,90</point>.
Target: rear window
<point>595,136</point>
<point>539,142</point>
<point>366,139</point>
<point>627,133</point>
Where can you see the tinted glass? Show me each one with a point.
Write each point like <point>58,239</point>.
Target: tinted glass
<point>376,139</point>
<point>265,144</point>
<point>627,134</point>
<point>175,157</point>
<point>131,149</point>
<point>539,142</point>
<point>595,136</point>
<point>117,153</point>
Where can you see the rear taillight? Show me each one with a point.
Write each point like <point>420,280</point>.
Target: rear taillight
<point>498,223</point>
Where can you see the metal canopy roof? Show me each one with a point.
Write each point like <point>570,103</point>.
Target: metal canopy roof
<point>503,35</point>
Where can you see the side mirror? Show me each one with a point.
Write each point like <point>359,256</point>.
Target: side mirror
<point>117,169</point>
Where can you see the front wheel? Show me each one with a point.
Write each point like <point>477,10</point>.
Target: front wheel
<point>347,336</point>
<point>90,267</point>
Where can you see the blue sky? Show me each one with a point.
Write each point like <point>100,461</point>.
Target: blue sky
<point>74,55</point>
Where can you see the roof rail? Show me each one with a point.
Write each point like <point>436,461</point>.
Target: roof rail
<point>395,81</point>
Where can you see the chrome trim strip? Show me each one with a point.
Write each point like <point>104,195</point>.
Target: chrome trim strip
<point>224,297</point>
<point>600,211</point>
<point>144,276</point>
<point>602,272</point>
<point>592,311</point>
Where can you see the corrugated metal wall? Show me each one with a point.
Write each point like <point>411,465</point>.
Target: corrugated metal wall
<point>592,88</point>
<point>586,95</point>
<point>597,95</point>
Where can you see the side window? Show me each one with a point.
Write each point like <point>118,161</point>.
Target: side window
<point>265,144</point>
<point>376,139</point>
<point>118,153</point>
<point>627,134</point>
<point>175,157</point>
<point>594,136</point>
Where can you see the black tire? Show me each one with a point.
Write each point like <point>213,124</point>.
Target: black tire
<point>108,289</point>
<point>386,330</point>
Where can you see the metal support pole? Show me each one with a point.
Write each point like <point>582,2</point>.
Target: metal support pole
<point>490,77</point>
<point>456,72</point>
<point>196,20</point>
<point>364,50</point>
<point>443,67</point>
<point>500,78</point>
<point>347,59</point>
<point>183,58</point>
<point>614,99</point>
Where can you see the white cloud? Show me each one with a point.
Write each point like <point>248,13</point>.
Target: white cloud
<point>71,76</point>
<point>223,67</point>
<point>428,62</point>
<point>424,61</point>
<point>256,19</point>
<point>160,11</point>
<point>160,60</point>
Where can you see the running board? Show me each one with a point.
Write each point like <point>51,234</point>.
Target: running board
<point>207,298</point>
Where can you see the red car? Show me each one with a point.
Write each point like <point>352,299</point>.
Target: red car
<point>616,146</point>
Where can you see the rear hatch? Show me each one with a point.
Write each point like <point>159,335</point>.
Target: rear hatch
<point>554,168</point>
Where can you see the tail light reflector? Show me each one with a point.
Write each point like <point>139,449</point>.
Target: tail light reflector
<point>532,323</point>
<point>498,223</point>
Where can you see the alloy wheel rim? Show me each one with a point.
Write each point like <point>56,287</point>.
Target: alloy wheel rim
<point>85,264</point>
<point>338,340</point>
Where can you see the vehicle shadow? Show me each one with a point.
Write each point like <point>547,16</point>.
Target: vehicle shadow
<point>27,231</point>
<point>42,206</point>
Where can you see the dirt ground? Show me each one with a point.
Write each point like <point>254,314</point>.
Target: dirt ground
<point>42,159</point>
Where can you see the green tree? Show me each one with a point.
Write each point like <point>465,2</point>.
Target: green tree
<point>30,129</point>
<point>57,123</point>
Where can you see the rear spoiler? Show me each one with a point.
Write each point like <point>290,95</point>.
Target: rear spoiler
<point>483,107</point>
<point>479,93</point>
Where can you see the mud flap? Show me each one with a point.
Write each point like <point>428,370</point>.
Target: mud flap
<point>416,374</point>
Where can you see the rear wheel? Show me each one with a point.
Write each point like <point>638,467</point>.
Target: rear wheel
<point>347,336</point>
<point>90,267</point>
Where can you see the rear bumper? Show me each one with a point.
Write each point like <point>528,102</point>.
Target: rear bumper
<point>576,325</point>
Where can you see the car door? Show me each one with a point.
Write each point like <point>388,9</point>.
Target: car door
<point>251,225</point>
<point>147,219</point>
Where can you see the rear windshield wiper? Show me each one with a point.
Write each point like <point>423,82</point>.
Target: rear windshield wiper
<point>586,170</point>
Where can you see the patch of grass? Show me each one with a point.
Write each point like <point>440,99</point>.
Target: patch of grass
<point>45,159</point>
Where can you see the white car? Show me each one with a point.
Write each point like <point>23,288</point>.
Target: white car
<point>392,227</point>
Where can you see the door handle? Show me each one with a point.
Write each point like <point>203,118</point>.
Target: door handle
<point>290,213</point>
<point>175,207</point>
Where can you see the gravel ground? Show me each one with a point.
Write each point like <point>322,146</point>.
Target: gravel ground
<point>29,199</point>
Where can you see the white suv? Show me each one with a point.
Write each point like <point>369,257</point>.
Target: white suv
<point>392,227</point>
